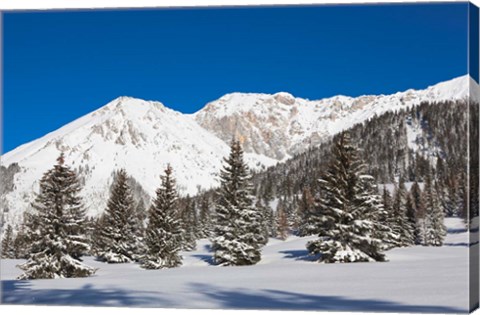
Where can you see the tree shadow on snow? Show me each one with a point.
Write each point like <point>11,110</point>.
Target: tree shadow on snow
<point>284,300</point>
<point>206,258</point>
<point>300,254</point>
<point>462,244</point>
<point>456,230</point>
<point>208,247</point>
<point>21,292</point>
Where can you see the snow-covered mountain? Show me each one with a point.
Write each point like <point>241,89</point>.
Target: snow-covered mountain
<point>143,136</point>
<point>280,125</point>
<point>140,136</point>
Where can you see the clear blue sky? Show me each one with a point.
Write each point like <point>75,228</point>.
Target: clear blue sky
<point>59,66</point>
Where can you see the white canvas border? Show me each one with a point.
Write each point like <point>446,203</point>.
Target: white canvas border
<point>86,4</point>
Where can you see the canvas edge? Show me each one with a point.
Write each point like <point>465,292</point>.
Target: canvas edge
<point>473,154</point>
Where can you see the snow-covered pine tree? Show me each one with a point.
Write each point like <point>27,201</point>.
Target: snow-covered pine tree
<point>402,225</point>
<point>448,196</point>
<point>411,216</point>
<point>8,246</point>
<point>386,222</point>
<point>270,221</point>
<point>281,222</point>
<point>238,236</point>
<point>90,235</point>
<point>346,205</point>
<point>462,195</point>
<point>382,236</point>
<point>27,236</point>
<point>188,218</point>
<point>416,194</point>
<point>205,222</point>
<point>139,226</point>
<point>419,206</point>
<point>308,218</point>
<point>164,233</point>
<point>116,239</point>
<point>76,221</point>
<point>434,229</point>
<point>58,245</point>
<point>20,246</point>
<point>266,219</point>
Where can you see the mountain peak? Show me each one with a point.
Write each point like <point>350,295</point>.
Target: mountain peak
<point>124,102</point>
<point>280,125</point>
<point>144,136</point>
<point>284,98</point>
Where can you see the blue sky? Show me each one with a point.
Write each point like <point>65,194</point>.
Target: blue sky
<point>59,66</point>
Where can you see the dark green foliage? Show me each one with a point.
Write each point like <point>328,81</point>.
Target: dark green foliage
<point>442,128</point>
<point>402,224</point>
<point>189,220</point>
<point>59,220</point>
<point>238,234</point>
<point>164,236</point>
<point>8,246</point>
<point>473,179</point>
<point>434,230</point>
<point>387,218</point>
<point>347,209</point>
<point>205,224</point>
<point>439,130</point>
<point>117,227</point>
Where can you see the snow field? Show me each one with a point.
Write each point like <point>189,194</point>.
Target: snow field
<point>416,279</point>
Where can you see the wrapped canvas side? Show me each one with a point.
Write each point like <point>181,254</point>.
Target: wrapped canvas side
<point>473,154</point>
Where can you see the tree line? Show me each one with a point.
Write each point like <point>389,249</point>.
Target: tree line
<point>328,191</point>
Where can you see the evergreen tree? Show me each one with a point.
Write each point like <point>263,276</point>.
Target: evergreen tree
<point>434,229</point>
<point>308,220</point>
<point>387,220</point>
<point>90,234</point>
<point>20,244</point>
<point>27,236</point>
<point>383,237</point>
<point>59,242</point>
<point>205,223</point>
<point>271,222</point>
<point>164,233</point>
<point>188,218</point>
<point>462,196</point>
<point>416,195</point>
<point>402,225</point>
<point>293,214</point>
<point>346,206</point>
<point>418,202</point>
<point>8,249</point>
<point>140,215</point>
<point>238,228</point>
<point>282,222</point>
<point>117,242</point>
<point>411,217</point>
<point>448,196</point>
<point>266,215</point>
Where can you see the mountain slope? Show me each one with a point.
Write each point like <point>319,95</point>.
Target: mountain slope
<point>144,136</point>
<point>141,136</point>
<point>281,125</point>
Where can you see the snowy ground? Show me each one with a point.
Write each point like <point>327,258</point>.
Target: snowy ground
<point>416,279</point>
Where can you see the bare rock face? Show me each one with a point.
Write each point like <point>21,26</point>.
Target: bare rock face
<point>276,126</point>
<point>260,121</point>
<point>281,125</point>
<point>284,98</point>
<point>144,136</point>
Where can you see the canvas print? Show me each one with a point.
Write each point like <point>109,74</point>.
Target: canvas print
<point>320,157</point>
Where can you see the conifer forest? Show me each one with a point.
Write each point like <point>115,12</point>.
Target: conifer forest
<point>360,204</point>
